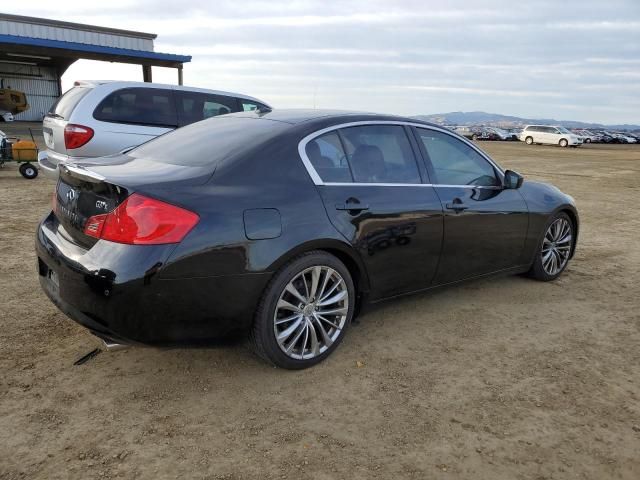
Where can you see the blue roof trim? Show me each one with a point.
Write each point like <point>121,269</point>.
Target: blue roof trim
<point>83,47</point>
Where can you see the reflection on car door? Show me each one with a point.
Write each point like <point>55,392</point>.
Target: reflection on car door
<point>372,188</point>
<point>484,225</point>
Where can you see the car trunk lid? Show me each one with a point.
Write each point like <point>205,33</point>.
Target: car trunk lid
<point>98,186</point>
<point>81,194</point>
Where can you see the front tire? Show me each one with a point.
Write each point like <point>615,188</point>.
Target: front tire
<point>528,140</point>
<point>304,312</point>
<point>555,249</point>
<point>563,142</point>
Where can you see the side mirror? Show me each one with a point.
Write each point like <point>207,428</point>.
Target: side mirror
<point>512,180</point>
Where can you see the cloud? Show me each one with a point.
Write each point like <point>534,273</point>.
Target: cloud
<point>573,59</point>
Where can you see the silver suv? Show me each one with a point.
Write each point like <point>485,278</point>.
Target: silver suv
<point>98,118</point>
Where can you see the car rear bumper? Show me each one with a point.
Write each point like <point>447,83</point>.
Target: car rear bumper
<point>116,291</point>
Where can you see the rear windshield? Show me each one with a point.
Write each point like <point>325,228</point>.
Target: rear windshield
<point>67,102</point>
<point>209,141</point>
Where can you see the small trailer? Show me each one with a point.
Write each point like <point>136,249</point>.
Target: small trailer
<point>24,152</point>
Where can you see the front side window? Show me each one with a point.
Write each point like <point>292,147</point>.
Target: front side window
<point>456,163</point>
<point>195,106</point>
<point>249,106</point>
<point>328,158</point>
<point>380,154</point>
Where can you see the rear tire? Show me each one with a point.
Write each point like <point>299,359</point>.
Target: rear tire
<point>555,248</point>
<point>474,137</point>
<point>28,171</point>
<point>293,328</point>
<point>528,140</point>
<point>587,140</point>
<point>563,142</point>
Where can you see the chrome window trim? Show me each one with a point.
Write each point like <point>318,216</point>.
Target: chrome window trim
<point>437,185</point>
<point>302,145</point>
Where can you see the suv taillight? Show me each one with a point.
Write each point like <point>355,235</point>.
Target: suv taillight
<point>140,220</point>
<point>76,136</point>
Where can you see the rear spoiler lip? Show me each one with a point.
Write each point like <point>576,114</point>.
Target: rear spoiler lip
<point>81,173</point>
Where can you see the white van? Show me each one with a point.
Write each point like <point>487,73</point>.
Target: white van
<point>98,118</point>
<point>549,135</point>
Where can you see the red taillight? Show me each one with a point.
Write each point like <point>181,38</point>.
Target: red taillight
<point>141,220</point>
<point>76,135</point>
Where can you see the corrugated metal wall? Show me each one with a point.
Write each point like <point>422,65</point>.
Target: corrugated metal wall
<point>40,84</point>
<point>71,35</point>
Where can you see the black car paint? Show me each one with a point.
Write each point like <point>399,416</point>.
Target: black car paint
<point>258,209</point>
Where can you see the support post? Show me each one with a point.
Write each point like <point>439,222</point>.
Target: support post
<point>180,74</point>
<point>146,73</point>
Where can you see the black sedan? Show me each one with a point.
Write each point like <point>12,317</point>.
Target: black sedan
<point>282,225</point>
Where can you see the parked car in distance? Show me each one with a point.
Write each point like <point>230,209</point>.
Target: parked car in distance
<point>477,133</point>
<point>6,116</point>
<point>549,135</point>
<point>282,224</point>
<point>501,133</point>
<point>587,136</point>
<point>624,138</point>
<point>98,118</point>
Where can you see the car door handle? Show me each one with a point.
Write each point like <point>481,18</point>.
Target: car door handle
<point>457,206</point>
<point>353,207</point>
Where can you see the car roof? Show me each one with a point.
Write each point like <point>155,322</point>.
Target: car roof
<point>296,116</point>
<point>117,84</point>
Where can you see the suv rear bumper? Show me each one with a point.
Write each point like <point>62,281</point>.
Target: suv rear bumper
<point>49,161</point>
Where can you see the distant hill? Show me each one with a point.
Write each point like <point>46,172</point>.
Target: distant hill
<point>497,120</point>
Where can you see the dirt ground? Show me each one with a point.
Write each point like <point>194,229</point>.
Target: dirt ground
<point>503,378</point>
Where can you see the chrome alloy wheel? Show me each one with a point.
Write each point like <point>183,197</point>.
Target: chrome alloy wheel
<point>556,246</point>
<point>311,312</point>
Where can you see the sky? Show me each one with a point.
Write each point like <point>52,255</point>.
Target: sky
<point>567,60</point>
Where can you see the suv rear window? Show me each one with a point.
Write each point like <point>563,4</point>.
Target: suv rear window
<point>67,102</point>
<point>138,106</point>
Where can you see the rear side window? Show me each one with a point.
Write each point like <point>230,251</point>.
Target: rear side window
<point>380,154</point>
<point>328,158</point>
<point>67,102</point>
<point>195,106</point>
<point>454,162</point>
<point>138,106</point>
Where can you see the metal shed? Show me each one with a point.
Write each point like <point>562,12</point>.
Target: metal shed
<point>35,52</point>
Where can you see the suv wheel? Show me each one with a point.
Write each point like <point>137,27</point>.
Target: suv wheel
<point>304,311</point>
<point>563,142</point>
<point>528,140</point>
